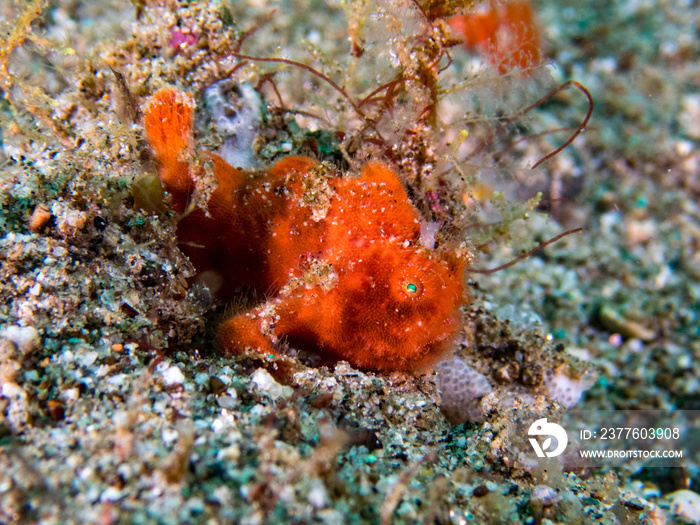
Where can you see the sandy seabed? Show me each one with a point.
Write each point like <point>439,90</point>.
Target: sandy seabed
<point>116,406</point>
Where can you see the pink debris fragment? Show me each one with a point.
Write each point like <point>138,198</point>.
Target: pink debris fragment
<point>180,39</point>
<point>433,201</point>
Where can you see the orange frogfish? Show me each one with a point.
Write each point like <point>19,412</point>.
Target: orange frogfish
<point>507,34</point>
<point>337,257</point>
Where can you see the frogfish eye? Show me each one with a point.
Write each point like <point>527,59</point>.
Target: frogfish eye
<point>408,286</point>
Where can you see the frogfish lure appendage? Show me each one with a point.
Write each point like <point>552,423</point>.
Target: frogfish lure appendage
<point>339,256</point>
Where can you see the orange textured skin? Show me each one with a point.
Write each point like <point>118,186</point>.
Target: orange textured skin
<point>338,257</point>
<point>507,34</point>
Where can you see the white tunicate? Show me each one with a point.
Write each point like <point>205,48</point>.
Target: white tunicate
<point>460,388</point>
<point>567,391</point>
<point>428,233</point>
<point>237,120</point>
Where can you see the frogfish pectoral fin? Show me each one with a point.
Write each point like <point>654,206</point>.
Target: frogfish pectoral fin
<point>251,330</point>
